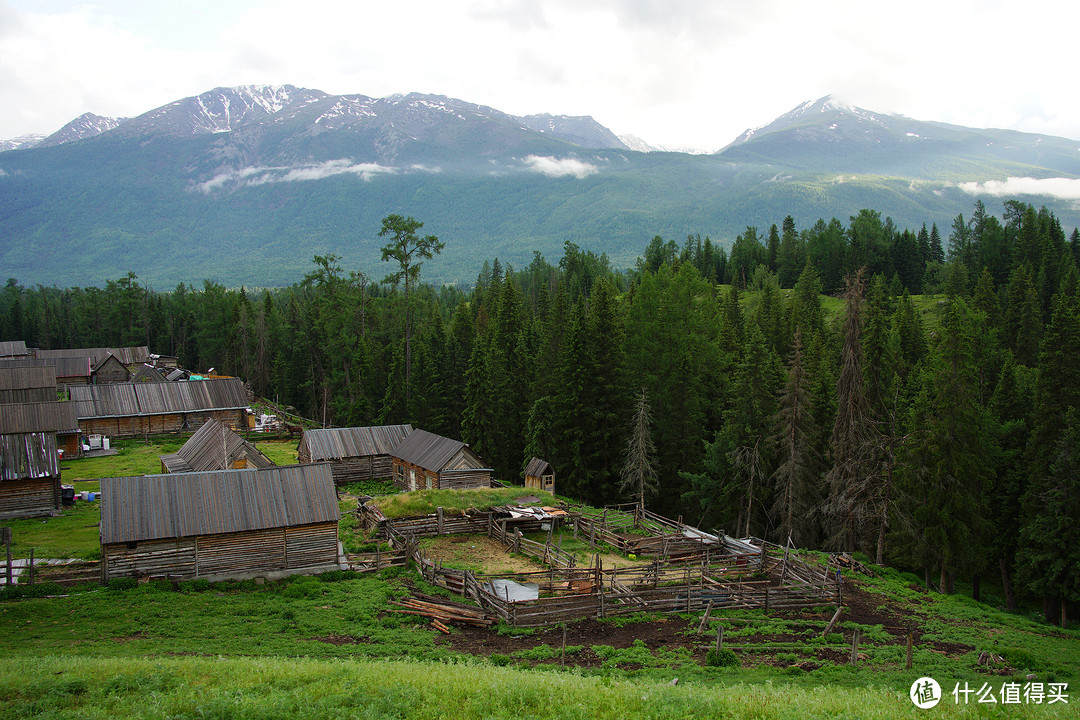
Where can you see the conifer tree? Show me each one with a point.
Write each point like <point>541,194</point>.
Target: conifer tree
<point>794,482</point>
<point>639,476</point>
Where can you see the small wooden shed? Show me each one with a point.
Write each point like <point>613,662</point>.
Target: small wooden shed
<point>214,447</point>
<point>425,460</point>
<point>354,454</point>
<point>29,457</point>
<point>540,475</point>
<point>229,524</point>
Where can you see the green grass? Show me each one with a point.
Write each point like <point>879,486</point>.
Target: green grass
<point>280,452</point>
<point>244,687</point>
<point>134,457</point>
<point>74,534</point>
<point>425,502</point>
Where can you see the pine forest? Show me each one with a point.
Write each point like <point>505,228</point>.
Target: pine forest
<point>910,394</point>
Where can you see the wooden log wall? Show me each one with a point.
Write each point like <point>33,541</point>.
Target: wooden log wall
<point>32,497</point>
<point>144,425</point>
<point>368,467</point>
<point>226,555</point>
<point>464,479</point>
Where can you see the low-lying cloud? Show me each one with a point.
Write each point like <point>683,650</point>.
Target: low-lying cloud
<point>1061,188</point>
<point>560,167</point>
<point>262,175</point>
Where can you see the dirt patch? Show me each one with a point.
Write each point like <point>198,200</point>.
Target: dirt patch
<point>478,553</point>
<point>137,635</point>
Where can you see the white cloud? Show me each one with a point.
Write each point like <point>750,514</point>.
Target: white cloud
<point>560,167</point>
<point>251,176</point>
<point>679,74</point>
<point>1061,188</point>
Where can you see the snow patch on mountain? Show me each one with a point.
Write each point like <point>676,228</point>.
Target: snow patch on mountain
<point>22,142</point>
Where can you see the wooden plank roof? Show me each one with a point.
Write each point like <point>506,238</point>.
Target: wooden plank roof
<point>147,373</point>
<point>537,468</point>
<point>430,451</point>
<point>54,417</point>
<point>10,348</point>
<point>126,355</point>
<point>151,507</point>
<point>64,367</point>
<point>28,456</point>
<point>27,384</point>
<point>214,447</point>
<point>340,443</point>
<point>133,399</point>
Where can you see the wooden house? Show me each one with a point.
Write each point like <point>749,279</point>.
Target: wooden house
<point>540,475</point>
<point>425,460</point>
<point>129,357</point>
<point>109,370</point>
<point>228,524</point>
<point>68,371</point>
<point>29,457</point>
<point>354,454</point>
<point>214,447</point>
<point>133,409</point>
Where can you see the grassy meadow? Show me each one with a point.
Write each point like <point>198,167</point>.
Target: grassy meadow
<point>329,646</point>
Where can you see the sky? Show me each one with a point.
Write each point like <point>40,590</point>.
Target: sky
<point>682,74</point>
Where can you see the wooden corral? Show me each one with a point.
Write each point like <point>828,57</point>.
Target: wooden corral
<point>214,447</point>
<point>540,475</point>
<point>139,409</point>
<point>724,573</point>
<point>354,454</point>
<point>425,460</point>
<point>229,524</point>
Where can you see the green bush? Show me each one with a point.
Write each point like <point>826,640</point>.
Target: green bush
<point>123,583</point>
<point>724,657</point>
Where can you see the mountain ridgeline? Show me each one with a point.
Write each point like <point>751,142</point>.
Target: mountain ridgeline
<point>244,185</point>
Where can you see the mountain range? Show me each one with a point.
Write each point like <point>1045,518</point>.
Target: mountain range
<point>244,185</point>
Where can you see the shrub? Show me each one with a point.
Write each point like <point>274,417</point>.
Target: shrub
<point>724,657</point>
<point>123,583</point>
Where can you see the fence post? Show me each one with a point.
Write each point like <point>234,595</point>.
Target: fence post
<point>705,618</point>
<point>855,646</point>
<point>6,533</point>
<point>439,519</point>
<point>720,637</point>
<point>31,566</point>
<point>517,539</point>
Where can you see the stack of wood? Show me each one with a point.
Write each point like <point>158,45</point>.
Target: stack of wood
<point>443,611</point>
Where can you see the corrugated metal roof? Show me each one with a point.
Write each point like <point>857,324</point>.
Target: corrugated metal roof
<point>431,451</point>
<point>339,443</point>
<point>214,447</point>
<point>131,399</point>
<point>55,417</point>
<point>166,506</point>
<point>537,467</point>
<point>12,347</point>
<point>126,355</point>
<point>29,455</point>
